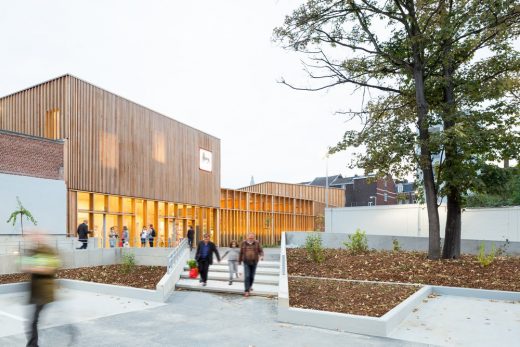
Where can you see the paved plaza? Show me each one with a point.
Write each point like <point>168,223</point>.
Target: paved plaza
<point>187,319</point>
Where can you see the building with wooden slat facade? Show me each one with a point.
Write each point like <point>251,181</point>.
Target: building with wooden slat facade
<point>126,165</point>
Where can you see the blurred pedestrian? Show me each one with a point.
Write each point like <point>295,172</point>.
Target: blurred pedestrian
<point>124,237</point>
<point>42,263</point>
<point>144,236</point>
<point>204,257</point>
<point>151,235</point>
<point>83,234</point>
<point>113,237</point>
<point>250,253</point>
<point>191,236</point>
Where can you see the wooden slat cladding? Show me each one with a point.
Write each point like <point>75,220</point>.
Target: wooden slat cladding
<point>264,214</point>
<point>299,191</point>
<point>116,146</point>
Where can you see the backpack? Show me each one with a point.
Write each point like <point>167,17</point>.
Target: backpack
<point>153,232</point>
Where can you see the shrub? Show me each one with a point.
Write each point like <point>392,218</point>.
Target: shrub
<point>396,247</point>
<point>129,262</point>
<point>358,242</point>
<point>192,263</point>
<point>484,259</point>
<point>314,248</point>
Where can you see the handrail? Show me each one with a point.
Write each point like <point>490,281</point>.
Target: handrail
<point>176,253</point>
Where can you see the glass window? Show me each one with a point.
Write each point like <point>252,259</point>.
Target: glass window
<point>150,212</point>
<point>171,209</point>
<point>83,201</point>
<point>127,205</point>
<point>99,202</point>
<point>52,124</point>
<point>113,204</point>
<point>160,206</point>
<point>386,197</point>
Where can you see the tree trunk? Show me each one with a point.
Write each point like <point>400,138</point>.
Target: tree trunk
<point>451,249</point>
<point>425,163</point>
<point>21,222</point>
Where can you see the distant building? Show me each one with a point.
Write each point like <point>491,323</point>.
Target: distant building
<point>361,190</point>
<point>405,192</point>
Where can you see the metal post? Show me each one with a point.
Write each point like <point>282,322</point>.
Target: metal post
<point>327,181</point>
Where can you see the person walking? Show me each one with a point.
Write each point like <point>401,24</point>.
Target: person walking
<point>112,237</point>
<point>250,253</point>
<point>144,236</point>
<point>83,234</point>
<point>124,237</point>
<point>191,236</point>
<point>233,252</point>
<point>42,264</point>
<point>204,257</point>
<point>151,235</point>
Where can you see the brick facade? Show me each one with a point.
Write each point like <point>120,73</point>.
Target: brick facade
<point>30,156</point>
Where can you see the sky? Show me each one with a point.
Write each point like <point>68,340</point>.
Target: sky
<point>209,64</point>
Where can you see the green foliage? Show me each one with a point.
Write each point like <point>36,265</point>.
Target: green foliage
<point>428,72</point>
<point>23,212</point>
<point>192,263</point>
<point>128,262</point>
<point>319,223</point>
<point>357,242</point>
<point>396,247</point>
<point>496,187</point>
<point>314,248</point>
<point>484,259</point>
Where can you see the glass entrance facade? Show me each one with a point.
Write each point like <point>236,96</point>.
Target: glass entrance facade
<point>170,220</point>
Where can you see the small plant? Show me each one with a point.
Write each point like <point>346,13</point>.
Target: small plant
<point>396,247</point>
<point>484,259</point>
<point>314,248</point>
<point>357,242</point>
<point>129,262</point>
<point>23,212</point>
<point>192,263</point>
<point>502,249</point>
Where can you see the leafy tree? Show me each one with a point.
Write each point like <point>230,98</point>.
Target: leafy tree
<point>23,212</point>
<point>420,57</point>
<point>497,187</point>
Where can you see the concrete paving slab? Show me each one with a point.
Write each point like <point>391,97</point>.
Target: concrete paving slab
<point>461,321</point>
<point>71,306</point>
<point>199,319</point>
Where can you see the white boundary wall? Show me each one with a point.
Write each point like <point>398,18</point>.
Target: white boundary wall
<point>412,220</point>
<point>46,200</point>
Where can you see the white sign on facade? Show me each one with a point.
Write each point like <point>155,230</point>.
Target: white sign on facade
<point>206,160</point>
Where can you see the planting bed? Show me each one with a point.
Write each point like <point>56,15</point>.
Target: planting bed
<point>145,277</point>
<point>375,299</point>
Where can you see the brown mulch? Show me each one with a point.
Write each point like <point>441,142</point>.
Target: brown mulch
<point>409,267</point>
<point>320,291</point>
<point>364,299</point>
<point>14,278</point>
<point>145,277</point>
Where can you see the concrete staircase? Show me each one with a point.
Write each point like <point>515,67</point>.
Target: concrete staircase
<point>266,279</point>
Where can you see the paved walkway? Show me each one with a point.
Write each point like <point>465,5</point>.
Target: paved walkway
<point>188,319</point>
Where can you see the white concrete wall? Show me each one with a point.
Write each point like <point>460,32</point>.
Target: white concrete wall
<point>46,200</point>
<point>412,220</point>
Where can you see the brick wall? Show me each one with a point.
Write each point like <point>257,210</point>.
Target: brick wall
<point>30,156</point>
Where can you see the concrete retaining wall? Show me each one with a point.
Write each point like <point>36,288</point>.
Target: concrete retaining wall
<point>385,242</point>
<point>496,224</point>
<point>9,263</point>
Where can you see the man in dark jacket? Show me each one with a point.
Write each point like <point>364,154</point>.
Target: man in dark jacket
<point>204,257</point>
<point>191,236</point>
<point>151,235</point>
<point>250,253</point>
<point>83,234</point>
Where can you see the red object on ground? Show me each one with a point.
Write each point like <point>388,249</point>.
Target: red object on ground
<point>194,272</point>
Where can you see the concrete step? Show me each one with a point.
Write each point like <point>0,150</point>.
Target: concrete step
<point>263,264</point>
<point>224,276</point>
<point>224,287</point>
<point>224,268</point>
